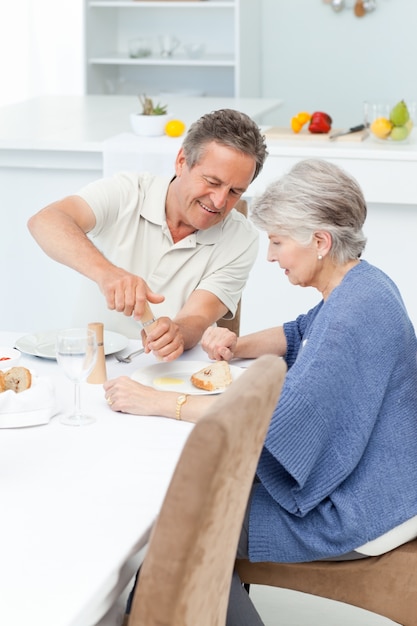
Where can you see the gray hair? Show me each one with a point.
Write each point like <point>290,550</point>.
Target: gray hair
<point>229,128</point>
<point>315,195</point>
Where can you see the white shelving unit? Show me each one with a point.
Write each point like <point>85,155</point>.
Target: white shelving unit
<point>229,30</point>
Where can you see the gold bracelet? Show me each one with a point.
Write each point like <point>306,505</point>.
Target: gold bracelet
<point>180,401</point>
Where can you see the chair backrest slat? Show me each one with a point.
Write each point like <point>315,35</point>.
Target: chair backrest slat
<point>186,575</point>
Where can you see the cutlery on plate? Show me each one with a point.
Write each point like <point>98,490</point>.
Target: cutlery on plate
<point>129,357</point>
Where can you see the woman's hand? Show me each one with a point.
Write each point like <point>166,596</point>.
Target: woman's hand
<point>219,343</point>
<point>128,396</point>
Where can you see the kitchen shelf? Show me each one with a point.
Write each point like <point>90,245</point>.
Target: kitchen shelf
<point>229,29</point>
<point>121,59</point>
<point>138,4</point>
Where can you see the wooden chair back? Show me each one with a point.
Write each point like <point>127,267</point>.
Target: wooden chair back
<point>234,324</point>
<point>186,575</point>
<point>385,585</point>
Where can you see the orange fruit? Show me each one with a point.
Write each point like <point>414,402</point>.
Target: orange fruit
<point>296,124</point>
<point>298,121</point>
<point>303,117</point>
<point>174,128</point>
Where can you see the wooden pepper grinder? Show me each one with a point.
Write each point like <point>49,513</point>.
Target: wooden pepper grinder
<point>147,320</point>
<point>99,373</point>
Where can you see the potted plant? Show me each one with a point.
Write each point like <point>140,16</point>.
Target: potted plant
<point>151,121</point>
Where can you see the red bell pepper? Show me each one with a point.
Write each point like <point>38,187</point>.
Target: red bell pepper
<point>320,123</point>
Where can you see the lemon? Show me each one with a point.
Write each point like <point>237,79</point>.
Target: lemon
<point>174,128</point>
<point>381,127</point>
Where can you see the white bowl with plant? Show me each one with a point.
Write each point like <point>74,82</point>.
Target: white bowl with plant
<point>150,122</point>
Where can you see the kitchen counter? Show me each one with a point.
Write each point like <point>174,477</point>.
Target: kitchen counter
<point>67,133</point>
<point>82,123</point>
<point>50,147</point>
<point>76,134</point>
<point>386,171</point>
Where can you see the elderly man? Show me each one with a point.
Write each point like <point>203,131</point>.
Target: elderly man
<point>175,243</point>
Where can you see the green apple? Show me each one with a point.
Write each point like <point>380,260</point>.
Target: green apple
<point>399,133</point>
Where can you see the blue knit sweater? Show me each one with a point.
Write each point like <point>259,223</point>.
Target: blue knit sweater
<point>339,464</point>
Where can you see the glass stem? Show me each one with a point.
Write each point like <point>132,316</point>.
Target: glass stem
<point>77,400</point>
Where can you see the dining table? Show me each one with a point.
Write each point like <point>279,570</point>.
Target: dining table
<point>78,503</point>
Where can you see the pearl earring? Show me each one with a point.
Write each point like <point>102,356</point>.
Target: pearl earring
<point>320,258</point>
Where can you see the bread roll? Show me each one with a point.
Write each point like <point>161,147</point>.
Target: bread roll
<point>214,376</point>
<point>17,379</point>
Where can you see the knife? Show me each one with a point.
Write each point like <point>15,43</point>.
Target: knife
<point>354,129</point>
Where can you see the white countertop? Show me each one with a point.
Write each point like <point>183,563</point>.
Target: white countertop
<point>367,149</point>
<point>82,123</point>
<point>93,133</point>
<point>386,173</point>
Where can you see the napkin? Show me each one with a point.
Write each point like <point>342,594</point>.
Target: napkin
<point>34,406</point>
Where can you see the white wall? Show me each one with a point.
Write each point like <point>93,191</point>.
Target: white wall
<point>41,48</point>
<point>316,59</point>
<point>313,58</point>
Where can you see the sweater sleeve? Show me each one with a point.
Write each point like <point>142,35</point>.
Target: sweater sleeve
<point>295,331</point>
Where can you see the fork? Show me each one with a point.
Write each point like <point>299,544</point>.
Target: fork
<point>129,357</point>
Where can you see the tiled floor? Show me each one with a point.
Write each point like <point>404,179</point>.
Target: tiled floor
<point>279,607</point>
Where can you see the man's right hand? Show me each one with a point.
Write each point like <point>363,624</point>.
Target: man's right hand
<point>127,293</point>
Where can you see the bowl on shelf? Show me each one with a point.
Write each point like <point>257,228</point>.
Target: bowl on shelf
<point>194,50</point>
<point>390,121</point>
<point>139,48</point>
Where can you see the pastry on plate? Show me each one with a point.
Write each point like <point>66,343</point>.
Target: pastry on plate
<point>213,377</point>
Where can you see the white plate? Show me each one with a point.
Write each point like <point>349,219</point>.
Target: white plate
<point>181,371</point>
<point>43,343</point>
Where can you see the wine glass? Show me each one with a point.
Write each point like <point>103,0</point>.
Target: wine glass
<point>76,353</point>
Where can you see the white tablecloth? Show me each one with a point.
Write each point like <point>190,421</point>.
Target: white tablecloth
<point>78,503</point>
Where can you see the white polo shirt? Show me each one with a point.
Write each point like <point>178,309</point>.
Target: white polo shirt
<point>132,232</point>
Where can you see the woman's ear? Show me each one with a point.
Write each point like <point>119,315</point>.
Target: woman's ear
<point>323,241</point>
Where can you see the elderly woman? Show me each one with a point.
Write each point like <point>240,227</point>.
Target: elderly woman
<point>337,474</point>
